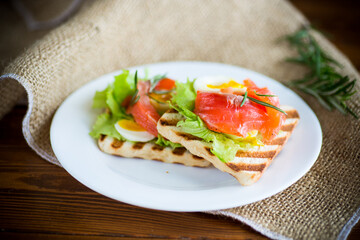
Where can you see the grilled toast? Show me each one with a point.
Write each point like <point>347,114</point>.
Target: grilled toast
<point>247,167</point>
<point>150,151</point>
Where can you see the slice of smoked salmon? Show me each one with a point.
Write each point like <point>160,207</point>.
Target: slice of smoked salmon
<point>276,118</point>
<point>222,112</point>
<point>143,112</point>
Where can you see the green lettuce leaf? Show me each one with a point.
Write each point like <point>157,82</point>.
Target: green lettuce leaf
<point>223,147</point>
<point>166,143</point>
<point>115,93</point>
<point>185,95</point>
<point>183,111</point>
<point>105,125</point>
<point>196,127</point>
<point>99,100</point>
<point>111,99</point>
<point>123,86</point>
<point>115,108</point>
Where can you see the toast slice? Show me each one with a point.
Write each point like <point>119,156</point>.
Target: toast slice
<point>247,167</point>
<point>150,150</point>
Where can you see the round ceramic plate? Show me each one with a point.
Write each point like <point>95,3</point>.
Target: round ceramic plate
<point>173,187</point>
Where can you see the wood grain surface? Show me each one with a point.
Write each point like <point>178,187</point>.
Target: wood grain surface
<point>41,201</point>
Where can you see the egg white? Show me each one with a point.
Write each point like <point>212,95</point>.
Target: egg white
<point>135,136</point>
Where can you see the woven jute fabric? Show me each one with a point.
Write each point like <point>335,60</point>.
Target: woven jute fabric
<point>110,35</point>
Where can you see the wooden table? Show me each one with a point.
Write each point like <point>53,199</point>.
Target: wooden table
<point>40,201</point>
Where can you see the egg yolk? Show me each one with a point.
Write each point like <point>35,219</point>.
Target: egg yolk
<point>252,133</point>
<point>231,83</point>
<point>251,138</point>
<point>130,125</point>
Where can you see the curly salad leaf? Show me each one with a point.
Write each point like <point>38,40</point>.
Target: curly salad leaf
<point>111,99</point>
<point>161,141</point>
<point>104,125</point>
<point>222,146</point>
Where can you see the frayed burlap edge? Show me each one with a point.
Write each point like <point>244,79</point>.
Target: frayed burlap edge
<point>26,121</point>
<point>349,225</point>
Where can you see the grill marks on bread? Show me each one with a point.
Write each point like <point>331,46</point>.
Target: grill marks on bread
<point>102,137</point>
<point>287,127</point>
<point>197,157</point>
<point>292,113</point>
<point>248,166</point>
<point>276,141</point>
<point>255,154</point>
<point>188,137</point>
<point>150,151</point>
<point>138,145</point>
<point>208,150</point>
<point>157,148</point>
<point>179,151</point>
<point>172,122</point>
<point>117,143</point>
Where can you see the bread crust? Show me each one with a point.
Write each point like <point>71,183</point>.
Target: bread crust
<point>248,166</point>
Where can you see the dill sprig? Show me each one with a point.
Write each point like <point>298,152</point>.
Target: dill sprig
<point>323,81</point>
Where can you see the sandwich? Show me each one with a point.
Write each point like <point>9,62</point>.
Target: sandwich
<point>127,126</point>
<point>238,127</point>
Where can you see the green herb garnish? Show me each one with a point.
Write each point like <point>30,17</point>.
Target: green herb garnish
<point>260,102</point>
<point>266,104</point>
<point>324,82</point>
<point>264,95</point>
<point>244,99</point>
<point>134,97</point>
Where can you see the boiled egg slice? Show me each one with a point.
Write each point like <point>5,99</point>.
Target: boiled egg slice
<point>217,83</point>
<point>132,131</point>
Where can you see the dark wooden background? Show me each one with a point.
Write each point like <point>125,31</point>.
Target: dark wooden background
<point>41,201</point>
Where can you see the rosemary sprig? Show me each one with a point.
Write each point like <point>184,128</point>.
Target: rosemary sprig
<point>134,97</point>
<point>266,104</point>
<point>264,95</point>
<point>323,81</point>
<point>245,96</point>
<point>244,99</point>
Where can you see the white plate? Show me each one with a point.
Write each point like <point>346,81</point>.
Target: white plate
<point>174,187</point>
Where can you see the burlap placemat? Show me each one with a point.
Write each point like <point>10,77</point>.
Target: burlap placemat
<point>110,35</point>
